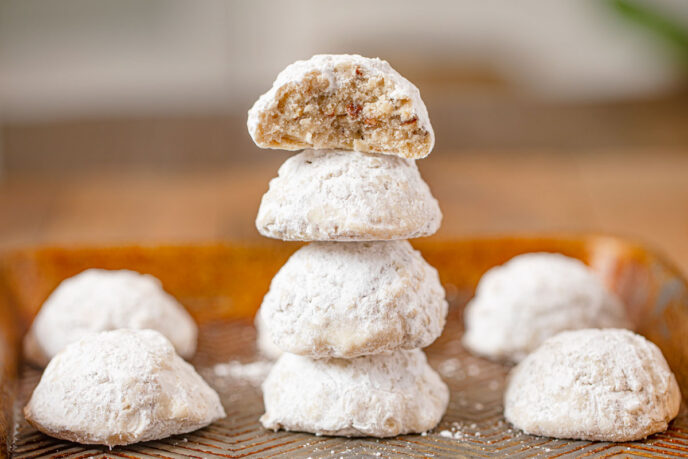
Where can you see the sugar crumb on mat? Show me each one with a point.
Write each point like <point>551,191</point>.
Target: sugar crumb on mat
<point>253,373</point>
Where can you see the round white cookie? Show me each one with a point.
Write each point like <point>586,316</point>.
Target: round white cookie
<point>380,396</point>
<point>342,101</point>
<point>602,385</point>
<point>121,387</point>
<point>532,297</point>
<point>264,341</point>
<point>348,299</point>
<point>98,300</point>
<point>334,195</point>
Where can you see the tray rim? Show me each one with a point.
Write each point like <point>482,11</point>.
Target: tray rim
<point>631,242</point>
<point>10,323</point>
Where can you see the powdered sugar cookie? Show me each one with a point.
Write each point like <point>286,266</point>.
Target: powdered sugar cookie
<point>604,385</point>
<point>532,297</point>
<point>381,396</point>
<point>98,300</point>
<point>347,299</point>
<point>345,102</point>
<point>333,195</point>
<point>264,341</point>
<point>121,387</point>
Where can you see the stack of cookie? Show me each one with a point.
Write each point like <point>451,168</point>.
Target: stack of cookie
<point>352,309</point>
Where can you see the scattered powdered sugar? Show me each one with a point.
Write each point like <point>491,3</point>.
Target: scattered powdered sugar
<point>459,431</point>
<point>449,434</point>
<point>473,370</point>
<point>451,368</point>
<point>253,373</point>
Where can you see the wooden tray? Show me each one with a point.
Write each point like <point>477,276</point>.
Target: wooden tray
<point>222,286</point>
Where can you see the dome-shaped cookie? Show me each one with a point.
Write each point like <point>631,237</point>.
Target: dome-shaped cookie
<point>532,297</point>
<point>121,387</point>
<point>346,102</point>
<point>264,342</point>
<point>347,299</point>
<point>603,385</point>
<point>99,300</point>
<point>333,195</point>
<point>380,396</point>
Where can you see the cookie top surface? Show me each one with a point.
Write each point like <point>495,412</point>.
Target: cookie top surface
<point>98,300</point>
<point>121,387</point>
<point>333,195</point>
<point>375,108</point>
<point>348,299</point>
<point>602,385</point>
<point>382,395</point>
<point>532,297</point>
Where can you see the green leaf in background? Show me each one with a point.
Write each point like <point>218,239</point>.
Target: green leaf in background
<point>657,22</point>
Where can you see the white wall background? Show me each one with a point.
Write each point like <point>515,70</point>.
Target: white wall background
<point>80,58</point>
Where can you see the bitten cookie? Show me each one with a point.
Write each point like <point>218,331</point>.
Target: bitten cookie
<point>348,299</point>
<point>602,385</point>
<point>98,300</point>
<point>334,195</point>
<point>121,387</point>
<point>380,396</point>
<point>532,297</point>
<point>345,102</point>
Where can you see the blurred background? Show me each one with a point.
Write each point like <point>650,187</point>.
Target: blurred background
<point>124,121</point>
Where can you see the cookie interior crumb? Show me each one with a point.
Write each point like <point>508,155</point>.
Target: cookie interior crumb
<point>359,115</point>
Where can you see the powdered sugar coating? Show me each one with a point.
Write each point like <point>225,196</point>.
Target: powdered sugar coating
<point>381,396</point>
<point>98,300</point>
<point>325,65</point>
<point>348,299</point>
<point>602,385</point>
<point>264,341</point>
<point>532,297</point>
<point>335,195</point>
<point>121,387</point>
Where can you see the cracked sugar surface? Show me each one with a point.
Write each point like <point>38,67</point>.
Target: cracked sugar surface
<point>382,395</point>
<point>98,300</point>
<point>120,387</point>
<point>533,296</point>
<point>337,195</point>
<point>348,299</point>
<point>593,384</point>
